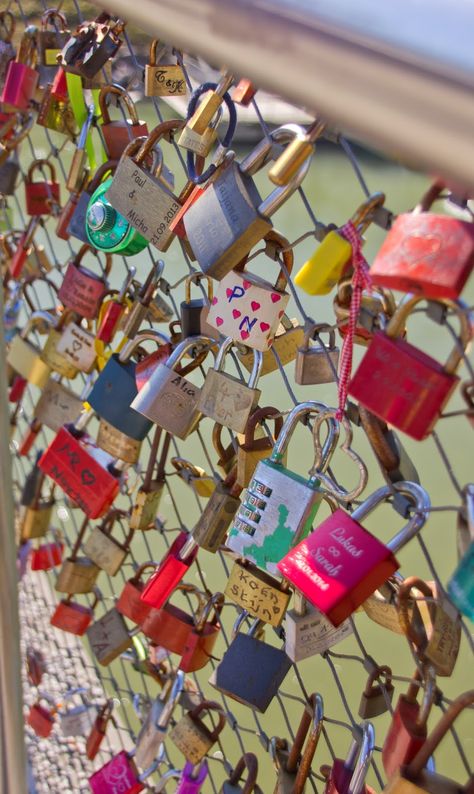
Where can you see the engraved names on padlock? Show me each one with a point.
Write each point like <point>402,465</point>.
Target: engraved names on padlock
<point>259,595</point>
<point>77,346</point>
<point>312,633</point>
<point>117,443</point>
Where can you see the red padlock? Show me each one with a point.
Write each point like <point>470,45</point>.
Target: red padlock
<point>431,255</point>
<point>171,626</point>
<point>59,85</point>
<point>47,556</point>
<point>201,640</point>
<point>403,385</point>
<point>407,731</point>
<point>348,775</point>
<point>29,438</point>
<point>174,566</point>
<point>112,311</point>
<point>129,602</point>
<point>82,470</point>
<point>98,730</point>
<point>21,78</point>
<point>41,719</point>
<point>339,565</point>
<point>23,248</point>
<point>81,290</point>
<point>41,196</point>
<point>35,666</point>
<point>118,134</point>
<point>177,225</point>
<point>17,389</point>
<point>73,618</point>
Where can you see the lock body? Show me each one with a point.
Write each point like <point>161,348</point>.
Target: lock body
<point>77,576</point>
<point>71,617</point>
<point>117,443</point>
<point>46,556</point>
<point>20,85</point>
<point>57,406</point>
<point>170,401</point>
<point>321,272</point>
<point>258,593</point>
<point>104,551</point>
<point>109,637</point>
<point>82,291</point>
<point>211,528</point>
<point>114,393</point>
<point>117,775</point>
<point>312,633</point>
<point>227,400</point>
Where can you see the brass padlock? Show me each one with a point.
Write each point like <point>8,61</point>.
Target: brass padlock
<point>316,365</point>
<point>102,549</point>
<point>252,450</point>
<point>211,528</point>
<point>166,79</point>
<point>109,637</point>
<point>377,697</point>
<point>52,355</point>
<point>227,455</point>
<point>25,357</point>
<point>195,476</point>
<point>192,736</point>
<point>77,574</point>
<point>34,516</point>
<point>258,593</point>
<point>147,500</point>
<point>381,606</point>
<point>117,443</point>
<point>288,338</point>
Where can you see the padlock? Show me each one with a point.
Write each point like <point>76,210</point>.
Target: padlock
<point>201,145</point>
<point>22,78</point>
<point>51,40</point>
<point>250,671</point>
<point>118,134</point>
<point>248,762</point>
<point>108,637</point>
<point>142,198</point>
<point>47,556</point>
<point>77,346</point>
<point>258,593</point>
<point>227,455</point>
<point>174,566</point>
<point>438,638</point>
<point>23,249</point>
<point>91,45</point>
<point>34,516</point>
<point>425,253</point>
<point>77,224</point>
<point>211,528</point>
<point>244,92</point>
<point>279,506</point>
<point>52,355</point>
<point>155,727</point>
<point>376,697</point>
<point>202,484</point>
<point>41,719</point>
<point>7,50</point>
<point>35,666</point>
<point>73,617</point>
<point>377,307</point>
<point>208,107</point>
<point>119,774</point>
<point>41,196</point>
<point>191,735</point>
<point>465,521</point>
<point>191,778</point>
<point>142,298</point>
<point>322,565</point>
<point>348,776</point>
<point>288,338</point>
<point>194,313</point>
<point>56,114</point>
<point>317,364</point>
<point>321,272</point>
<point>392,457</point>
<point>224,397</point>
<point>168,399</point>
<point>98,730</point>
<point>170,626</point>
<point>381,606</point>
<point>229,218</point>
<point>147,499</point>
<point>77,574</point>
<point>394,375</point>
<point>129,603</point>
<point>24,357</point>
<point>201,640</point>
<point>247,307</point>
<point>460,585</point>
<point>113,309</point>
<point>253,450</point>
<point>415,778</point>
<point>9,171</point>
<point>81,290</point>
<point>103,549</point>
<point>78,720</point>
<point>407,731</point>
<point>308,632</point>
<point>164,79</point>
<point>68,211</point>
<point>56,406</point>
<point>301,147</point>
<point>293,763</point>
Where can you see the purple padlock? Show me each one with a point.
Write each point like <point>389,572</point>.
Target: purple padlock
<point>192,778</point>
<point>119,776</point>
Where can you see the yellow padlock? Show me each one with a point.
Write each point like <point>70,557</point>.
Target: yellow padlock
<point>321,272</point>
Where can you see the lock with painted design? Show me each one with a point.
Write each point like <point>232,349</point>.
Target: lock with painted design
<point>73,617</point>
<point>194,312</point>
<point>394,375</point>
<point>154,729</point>
<point>22,78</point>
<point>77,346</point>
<point>256,682</point>
<point>41,196</point>
<point>170,626</point>
<point>191,735</point>
<point>308,632</point>
<point>120,774</point>
<point>108,637</point>
<point>347,776</point>
<point>118,134</point>
<point>376,697</point>
<point>147,499</point>
<point>81,290</point>
<point>224,397</point>
<point>98,730</point>
<point>292,762</point>
<point>322,566</point>
<point>288,339</point>
<point>103,549</point>
<point>166,79</point>
<point>317,364</point>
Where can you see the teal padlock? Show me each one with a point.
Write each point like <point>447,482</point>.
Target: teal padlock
<point>461,584</point>
<point>107,229</point>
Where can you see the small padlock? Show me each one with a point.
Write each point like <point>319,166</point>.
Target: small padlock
<point>103,549</point>
<point>202,484</point>
<point>91,46</point>
<point>147,499</point>
<point>119,774</point>
<point>258,593</point>
<point>248,763</point>
<point>41,196</point>
<point>207,109</point>
<point>98,730</point>
<point>81,290</point>
<point>211,528</point>
<point>41,719</point>
<point>51,355</point>
<point>35,666</point>
<point>77,574</point>
<point>25,357</point>
<point>194,312</point>
<point>244,92</point>
<point>174,566</point>
<point>301,147</point>
<point>308,632</point>
<point>191,735</point>
<point>319,364</point>
<point>73,617</point>
<point>155,727</point>
<point>170,626</point>
<point>256,682</point>
<point>129,602</point>
<point>348,776</point>
<point>47,556</point>
<point>22,78</point>
<point>377,307</point>
<point>288,338</point>
<point>51,40</point>
<point>381,606</point>
<point>34,516</point>
<point>118,134</point>
<point>201,640</point>
<point>253,450</point>
<point>164,79</point>
<point>376,697</point>
<point>108,637</point>
<point>292,762</point>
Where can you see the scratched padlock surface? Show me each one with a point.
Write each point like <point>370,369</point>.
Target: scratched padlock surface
<point>339,677</point>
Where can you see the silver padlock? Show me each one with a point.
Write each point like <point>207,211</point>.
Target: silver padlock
<point>317,364</point>
<point>168,398</point>
<point>225,398</point>
<point>308,632</point>
<point>153,731</point>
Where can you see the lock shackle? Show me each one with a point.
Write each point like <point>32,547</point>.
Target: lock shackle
<point>171,774</point>
<point>191,589</point>
<point>268,412</point>
<point>299,761</point>
<point>80,537</point>
<point>344,293</point>
<point>196,278</point>
<point>9,27</point>
<point>415,494</point>
<point>416,766</point>
<point>290,423</point>
<point>209,705</point>
<point>28,284</point>
<point>320,463</point>
<point>276,245</point>
<point>163,130</point>
<point>403,598</point>
<point>247,762</point>
<point>318,328</point>
<point>51,14</point>
<point>136,578</point>
<point>224,349</point>
<point>181,464</point>
<point>263,151</point>
<point>171,699</point>
<point>26,120</point>
<point>82,252</point>
<point>143,336</point>
<point>153,47</point>
<point>382,671</point>
<point>38,318</point>
<point>188,344</point>
<point>108,167</point>
<point>27,51</point>
<point>376,431</point>
<point>40,164</point>
<point>104,715</point>
<point>429,197</point>
<point>97,597</point>
<point>107,524</point>
<point>226,454</point>
<point>215,603</point>
<point>361,749</point>
<point>397,323</point>
<point>363,215</point>
<point>114,89</point>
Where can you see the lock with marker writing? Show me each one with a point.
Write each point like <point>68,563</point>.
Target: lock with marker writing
<point>82,291</point>
<point>108,637</point>
<point>308,632</point>
<point>258,593</point>
<point>163,79</point>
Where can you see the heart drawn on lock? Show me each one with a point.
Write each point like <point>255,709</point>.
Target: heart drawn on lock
<point>264,326</point>
<point>236,313</point>
<point>214,300</point>
<point>228,292</point>
<point>417,247</point>
<point>244,334</point>
<point>87,477</point>
<point>219,320</point>
<point>331,487</point>
<point>246,284</point>
<point>255,306</point>
<point>76,346</point>
<point>275,297</point>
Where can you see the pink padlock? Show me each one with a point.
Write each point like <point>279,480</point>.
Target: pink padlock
<point>171,570</point>
<point>119,776</point>
<point>21,79</point>
<point>340,564</point>
<point>191,781</point>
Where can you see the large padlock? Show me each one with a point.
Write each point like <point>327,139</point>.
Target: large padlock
<point>114,392</point>
<point>118,134</point>
<point>24,357</point>
<point>377,697</point>
<point>248,762</point>
<point>129,602</point>
<point>41,196</point>
<point>194,312</point>
<point>293,762</point>
<point>57,406</point>
<point>288,338</point>
<point>119,774</point>
<point>22,78</point>
<point>73,617</point>
<point>166,79</point>
<point>77,223</point>
<point>246,306</point>
<point>258,593</point>
<point>51,37</point>
<point>229,218</point>
<point>7,50</point>
<point>168,398</point>
<point>108,637</point>
<point>425,253</point>
<point>437,639</point>
<point>81,290</point>
<point>147,499</point>
<point>41,719</point>
<point>191,735</point>
<point>348,775</point>
<point>103,549</point>
<point>252,450</point>
<point>323,565</point>
<point>201,640</point>
<point>171,626</point>
<point>224,397</point>
<point>317,364</point>
<point>144,199</point>
<point>98,730</point>
<point>308,632</point>
<point>394,376</point>
<point>173,567</point>
<point>279,506</point>
<point>155,727</point>
<point>256,681</point>
<point>211,528</point>
<point>77,574</point>
<point>91,45</point>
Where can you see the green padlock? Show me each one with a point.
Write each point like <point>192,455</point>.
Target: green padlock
<point>109,231</point>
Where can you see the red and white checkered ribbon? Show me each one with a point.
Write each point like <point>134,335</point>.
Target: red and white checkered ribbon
<point>360,281</point>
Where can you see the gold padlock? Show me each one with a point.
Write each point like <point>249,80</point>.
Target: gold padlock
<point>77,574</point>
<point>288,338</point>
<point>147,500</point>
<point>190,734</point>
<point>257,592</point>
<point>252,450</point>
<point>203,484</point>
<point>24,357</point>
<point>102,549</point>
<point>109,637</point>
<point>56,360</point>
<point>118,444</point>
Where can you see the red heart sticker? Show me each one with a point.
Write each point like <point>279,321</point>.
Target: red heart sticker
<point>264,326</point>
<point>214,301</point>
<point>244,334</point>
<point>246,284</point>
<point>236,313</point>
<point>275,297</point>
<point>219,320</point>
<point>255,305</point>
